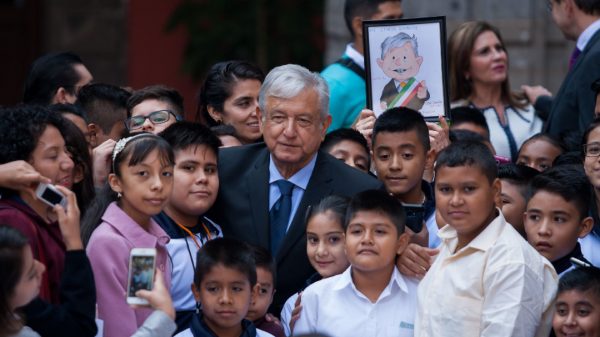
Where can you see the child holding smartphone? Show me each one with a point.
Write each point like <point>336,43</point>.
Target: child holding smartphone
<point>120,219</point>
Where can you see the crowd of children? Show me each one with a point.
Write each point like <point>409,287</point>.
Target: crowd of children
<point>457,242</point>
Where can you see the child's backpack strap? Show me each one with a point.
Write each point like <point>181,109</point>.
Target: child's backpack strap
<point>348,63</point>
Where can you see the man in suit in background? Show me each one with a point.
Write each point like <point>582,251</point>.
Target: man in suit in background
<point>265,188</point>
<point>572,109</point>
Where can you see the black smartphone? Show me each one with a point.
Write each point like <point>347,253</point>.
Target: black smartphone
<point>415,216</point>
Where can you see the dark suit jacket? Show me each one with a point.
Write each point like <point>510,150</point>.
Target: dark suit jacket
<point>573,106</point>
<point>242,207</point>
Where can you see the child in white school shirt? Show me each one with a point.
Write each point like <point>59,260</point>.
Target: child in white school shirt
<point>487,280</point>
<point>371,298</point>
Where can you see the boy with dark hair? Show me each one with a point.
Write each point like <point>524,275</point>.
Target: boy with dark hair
<point>486,280</point>
<point>225,284</point>
<point>75,114</point>
<point>515,180</point>
<point>266,277</point>
<point>346,77</point>
<point>467,118</point>
<point>226,134</point>
<point>458,135</point>
<point>195,188</point>
<point>401,149</point>
<point>539,151</point>
<point>153,108</point>
<point>106,108</point>
<point>578,303</point>
<point>370,298</point>
<point>349,146</point>
<point>558,214</point>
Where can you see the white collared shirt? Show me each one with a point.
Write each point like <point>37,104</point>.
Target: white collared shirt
<point>334,307</point>
<point>587,34</point>
<point>354,55</point>
<point>497,285</point>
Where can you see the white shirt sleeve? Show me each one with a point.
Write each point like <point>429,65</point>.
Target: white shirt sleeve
<point>286,314</point>
<point>513,305</point>
<point>307,322</point>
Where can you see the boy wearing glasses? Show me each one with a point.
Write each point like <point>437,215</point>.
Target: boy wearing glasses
<point>152,109</point>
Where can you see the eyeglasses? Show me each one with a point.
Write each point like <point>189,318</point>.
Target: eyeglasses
<point>156,117</point>
<point>591,149</point>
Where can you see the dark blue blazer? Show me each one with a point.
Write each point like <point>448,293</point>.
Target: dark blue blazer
<point>573,106</point>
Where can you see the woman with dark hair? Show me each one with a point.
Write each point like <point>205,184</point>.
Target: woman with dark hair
<point>229,95</point>
<point>478,69</point>
<point>35,135</point>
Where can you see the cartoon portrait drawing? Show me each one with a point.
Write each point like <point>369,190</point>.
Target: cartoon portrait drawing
<point>400,61</point>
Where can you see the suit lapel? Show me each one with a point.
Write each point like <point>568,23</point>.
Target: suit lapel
<point>258,196</point>
<point>318,187</point>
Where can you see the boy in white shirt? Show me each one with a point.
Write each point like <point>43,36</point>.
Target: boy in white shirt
<point>486,280</point>
<point>371,298</point>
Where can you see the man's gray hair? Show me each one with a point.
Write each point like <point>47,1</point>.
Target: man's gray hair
<point>398,41</point>
<point>288,81</point>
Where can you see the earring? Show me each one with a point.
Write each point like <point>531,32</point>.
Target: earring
<point>119,195</point>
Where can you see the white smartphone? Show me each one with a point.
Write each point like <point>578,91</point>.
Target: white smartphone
<point>142,265</point>
<point>50,195</point>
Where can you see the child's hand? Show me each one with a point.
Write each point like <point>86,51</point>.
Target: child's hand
<point>269,317</point>
<point>101,156</point>
<point>439,135</point>
<point>21,176</point>
<point>365,123</point>
<point>422,91</point>
<point>159,297</point>
<point>416,260</point>
<point>68,220</point>
<point>296,312</point>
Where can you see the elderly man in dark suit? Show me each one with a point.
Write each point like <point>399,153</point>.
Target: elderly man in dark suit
<point>266,188</point>
<point>572,109</point>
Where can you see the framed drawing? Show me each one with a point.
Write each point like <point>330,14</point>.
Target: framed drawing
<point>405,62</point>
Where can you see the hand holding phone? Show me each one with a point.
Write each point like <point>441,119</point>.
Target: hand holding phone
<point>50,195</point>
<point>142,267</point>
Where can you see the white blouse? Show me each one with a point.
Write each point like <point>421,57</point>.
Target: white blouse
<point>507,139</point>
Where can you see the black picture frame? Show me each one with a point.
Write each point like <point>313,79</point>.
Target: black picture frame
<point>419,75</point>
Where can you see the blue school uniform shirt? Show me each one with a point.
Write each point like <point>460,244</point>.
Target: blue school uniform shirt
<point>200,329</point>
<point>182,257</point>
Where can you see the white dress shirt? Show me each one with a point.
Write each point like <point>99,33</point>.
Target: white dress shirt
<point>334,307</point>
<point>497,285</point>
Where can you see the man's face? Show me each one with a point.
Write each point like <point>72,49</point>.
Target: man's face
<point>401,63</point>
<point>85,77</point>
<point>293,130</point>
<point>561,15</point>
<point>388,10</point>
